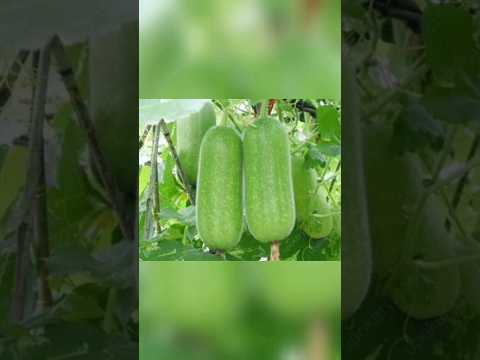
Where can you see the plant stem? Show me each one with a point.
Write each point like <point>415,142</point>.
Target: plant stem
<point>8,83</point>
<point>275,251</point>
<point>230,116</point>
<point>37,176</point>
<point>144,136</point>
<point>392,94</point>
<point>221,254</point>
<point>264,108</point>
<point>22,268</point>
<point>148,208</point>
<point>23,263</point>
<point>332,183</point>
<point>183,177</point>
<point>414,221</point>
<point>271,104</point>
<point>83,116</point>
<point>461,185</point>
<point>317,345</point>
<point>153,188</point>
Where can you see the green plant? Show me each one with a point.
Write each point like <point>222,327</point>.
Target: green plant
<point>13,172</point>
<point>219,189</point>
<point>192,230</point>
<point>269,198</point>
<point>190,132</point>
<point>304,184</point>
<point>356,246</point>
<point>320,220</point>
<point>421,293</point>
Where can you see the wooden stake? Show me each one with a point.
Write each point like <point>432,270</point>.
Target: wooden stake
<point>37,177</point>
<point>66,72</point>
<point>186,184</point>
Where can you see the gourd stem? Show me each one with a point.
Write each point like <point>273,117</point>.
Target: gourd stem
<point>223,120</point>
<point>230,117</point>
<point>317,344</point>
<point>264,109</point>
<point>166,134</point>
<point>275,251</point>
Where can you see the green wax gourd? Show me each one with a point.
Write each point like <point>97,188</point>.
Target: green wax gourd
<point>113,63</point>
<point>219,189</point>
<point>304,184</point>
<point>422,293</point>
<point>190,132</point>
<point>269,197</point>
<point>356,240</point>
<point>320,221</point>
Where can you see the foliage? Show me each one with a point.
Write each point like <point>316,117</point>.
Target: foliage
<point>314,131</point>
<point>91,265</point>
<point>417,68</point>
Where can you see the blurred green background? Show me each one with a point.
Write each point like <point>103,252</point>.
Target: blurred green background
<point>210,310</point>
<point>240,49</point>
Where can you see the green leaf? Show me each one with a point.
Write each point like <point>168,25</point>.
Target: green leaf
<point>315,157</point>
<point>152,110</point>
<point>452,104</point>
<point>449,42</point>
<point>415,128</point>
<point>328,123</point>
<point>316,252</point>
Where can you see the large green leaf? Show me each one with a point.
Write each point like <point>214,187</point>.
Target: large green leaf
<point>152,110</point>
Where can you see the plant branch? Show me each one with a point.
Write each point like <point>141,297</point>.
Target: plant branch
<point>148,207</point>
<point>166,134</point>
<point>414,221</point>
<point>144,136</point>
<point>437,183</point>
<point>230,116</point>
<point>463,181</point>
<point>23,233</point>
<point>8,83</point>
<point>153,201</point>
<point>22,268</point>
<point>271,104</point>
<point>37,177</point>
<point>332,183</point>
<point>389,96</point>
<point>67,74</point>
<point>154,177</point>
